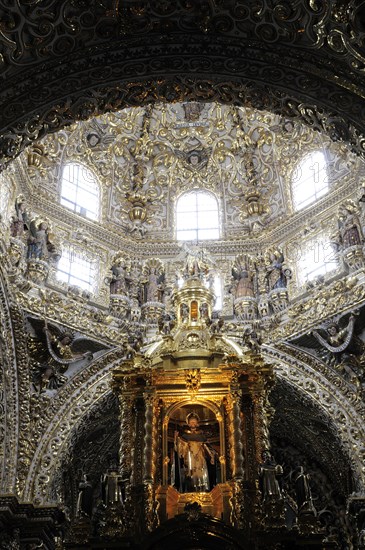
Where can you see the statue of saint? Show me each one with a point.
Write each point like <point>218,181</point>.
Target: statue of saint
<point>349,226</point>
<point>244,285</point>
<point>152,287</point>
<point>118,281</point>
<point>194,468</point>
<point>276,274</point>
<point>20,221</point>
<point>111,487</point>
<point>302,491</point>
<point>269,472</point>
<point>85,498</point>
<point>244,277</point>
<point>38,240</point>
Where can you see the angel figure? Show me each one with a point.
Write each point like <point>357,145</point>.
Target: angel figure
<point>60,345</point>
<point>64,348</point>
<point>346,350</point>
<point>337,339</point>
<point>252,339</point>
<point>53,350</point>
<point>166,323</point>
<point>216,323</point>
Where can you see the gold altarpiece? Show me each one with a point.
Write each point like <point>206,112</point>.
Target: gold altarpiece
<point>194,368</point>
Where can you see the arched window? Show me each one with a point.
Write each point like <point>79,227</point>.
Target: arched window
<point>80,190</point>
<point>197,217</point>
<point>73,269</point>
<point>317,257</point>
<point>310,180</point>
<point>5,196</point>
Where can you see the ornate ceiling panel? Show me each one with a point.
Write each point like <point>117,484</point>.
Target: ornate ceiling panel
<point>148,156</point>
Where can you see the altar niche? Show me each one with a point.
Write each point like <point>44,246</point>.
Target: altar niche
<point>194,449</point>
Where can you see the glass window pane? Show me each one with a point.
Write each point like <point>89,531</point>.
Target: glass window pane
<point>74,270</point>
<point>318,258</point>
<point>187,220</point>
<point>187,203</point>
<point>187,235</point>
<point>206,202</point>
<point>208,234</point>
<point>310,180</point>
<point>198,211</point>
<point>80,190</point>
<point>208,220</point>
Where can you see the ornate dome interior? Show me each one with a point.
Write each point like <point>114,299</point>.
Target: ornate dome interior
<point>145,148</point>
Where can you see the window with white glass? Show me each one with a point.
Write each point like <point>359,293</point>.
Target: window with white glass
<point>310,180</point>
<point>73,269</point>
<point>217,289</point>
<point>318,257</point>
<point>4,199</point>
<point>197,217</point>
<point>80,190</point>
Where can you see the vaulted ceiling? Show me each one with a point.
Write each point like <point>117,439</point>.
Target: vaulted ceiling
<point>62,61</point>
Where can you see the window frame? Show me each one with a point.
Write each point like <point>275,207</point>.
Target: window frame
<point>73,254</point>
<point>80,186</point>
<point>319,187</point>
<point>198,229</point>
<point>321,248</point>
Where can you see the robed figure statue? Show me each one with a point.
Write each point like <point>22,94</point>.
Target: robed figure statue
<point>194,466</point>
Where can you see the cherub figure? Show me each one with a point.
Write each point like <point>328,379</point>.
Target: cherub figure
<point>166,323</point>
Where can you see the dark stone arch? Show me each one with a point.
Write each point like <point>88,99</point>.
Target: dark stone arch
<point>55,94</point>
<point>92,445</point>
<point>302,434</point>
<point>311,432</point>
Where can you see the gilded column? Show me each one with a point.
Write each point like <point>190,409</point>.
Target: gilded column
<point>157,442</point>
<point>263,413</point>
<point>236,443</point>
<point>149,397</point>
<point>149,458</point>
<point>126,444</point>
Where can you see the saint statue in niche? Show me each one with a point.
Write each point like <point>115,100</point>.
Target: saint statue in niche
<point>195,454</point>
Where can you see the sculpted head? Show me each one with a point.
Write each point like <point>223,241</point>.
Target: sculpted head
<point>192,420</point>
